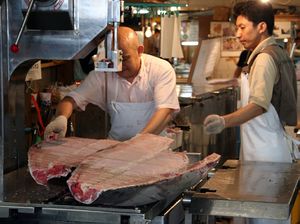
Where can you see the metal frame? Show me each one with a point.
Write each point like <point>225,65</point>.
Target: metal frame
<point>89,27</point>
<point>90,23</point>
<point>91,18</point>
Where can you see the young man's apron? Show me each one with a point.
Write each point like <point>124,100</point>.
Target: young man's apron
<point>263,137</point>
<point>128,119</point>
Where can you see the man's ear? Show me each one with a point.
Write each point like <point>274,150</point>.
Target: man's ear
<point>262,26</point>
<point>140,49</point>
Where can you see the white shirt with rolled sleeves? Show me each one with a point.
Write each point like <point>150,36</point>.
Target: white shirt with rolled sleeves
<point>156,81</point>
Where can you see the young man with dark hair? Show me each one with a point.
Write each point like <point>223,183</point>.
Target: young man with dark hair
<point>268,90</point>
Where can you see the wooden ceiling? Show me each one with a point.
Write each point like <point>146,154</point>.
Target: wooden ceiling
<point>230,3</point>
<point>145,1</point>
<point>208,4</point>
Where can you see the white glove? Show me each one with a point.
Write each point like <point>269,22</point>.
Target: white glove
<point>214,124</point>
<point>56,127</point>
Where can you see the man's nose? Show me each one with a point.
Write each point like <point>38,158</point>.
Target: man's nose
<point>238,34</point>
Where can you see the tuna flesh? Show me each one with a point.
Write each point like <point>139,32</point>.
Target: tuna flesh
<point>139,171</point>
<point>56,158</point>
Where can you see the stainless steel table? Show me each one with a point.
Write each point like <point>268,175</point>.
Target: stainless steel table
<point>251,190</point>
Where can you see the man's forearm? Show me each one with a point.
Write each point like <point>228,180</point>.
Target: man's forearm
<point>158,121</point>
<point>65,107</point>
<point>243,115</point>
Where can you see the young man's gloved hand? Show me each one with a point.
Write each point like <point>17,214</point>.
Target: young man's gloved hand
<point>214,124</point>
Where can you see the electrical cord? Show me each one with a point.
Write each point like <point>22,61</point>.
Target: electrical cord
<point>40,120</point>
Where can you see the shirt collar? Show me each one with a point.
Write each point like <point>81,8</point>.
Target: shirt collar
<point>141,71</point>
<point>139,75</point>
<point>267,42</point>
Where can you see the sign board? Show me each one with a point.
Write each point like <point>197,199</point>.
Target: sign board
<point>206,57</point>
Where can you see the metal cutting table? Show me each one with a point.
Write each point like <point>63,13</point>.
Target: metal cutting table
<point>250,190</point>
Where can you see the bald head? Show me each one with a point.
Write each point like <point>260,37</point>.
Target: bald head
<point>132,50</point>
<point>127,38</point>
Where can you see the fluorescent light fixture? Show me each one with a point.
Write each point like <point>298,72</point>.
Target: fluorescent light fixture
<point>264,1</point>
<point>189,43</point>
<point>174,8</point>
<point>143,11</point>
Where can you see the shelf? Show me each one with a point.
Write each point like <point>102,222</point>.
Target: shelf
<point>52,64</point>
<point>286,17</point>
<point>181,80</point>
<point>153,5</point>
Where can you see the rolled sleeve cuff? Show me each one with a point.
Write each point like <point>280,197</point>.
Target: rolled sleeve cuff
<point>260,103</point>
<point>80,102</point>
<point>176,108</point>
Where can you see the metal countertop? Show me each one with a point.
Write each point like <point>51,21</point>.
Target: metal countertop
<point>251,190</point>
<point>22,193</point>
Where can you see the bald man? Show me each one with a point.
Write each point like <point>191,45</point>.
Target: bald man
<point>141,98</point>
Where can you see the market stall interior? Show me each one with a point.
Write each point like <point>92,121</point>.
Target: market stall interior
<point>46,51</point>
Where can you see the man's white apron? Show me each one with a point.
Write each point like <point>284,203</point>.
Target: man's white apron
<point>128,119</point>
<point>263,137</point>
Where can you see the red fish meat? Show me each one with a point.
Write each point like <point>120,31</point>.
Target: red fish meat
<point>56,158</point>
<point>132,164</point>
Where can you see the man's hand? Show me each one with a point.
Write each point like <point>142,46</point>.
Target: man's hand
<point>57,127</point>
<point>214,124</point>
<point>158,121</point>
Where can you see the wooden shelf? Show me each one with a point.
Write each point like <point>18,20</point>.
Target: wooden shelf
<point>284,17</point>
<point>52,64</point>
<point>181,80</point>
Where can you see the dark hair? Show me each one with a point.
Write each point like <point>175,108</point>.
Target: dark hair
<point>255,12</point>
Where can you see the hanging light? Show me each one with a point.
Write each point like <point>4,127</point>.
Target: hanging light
<point>161,12</point>
<point>134,10</point>
<point>148,32</point>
